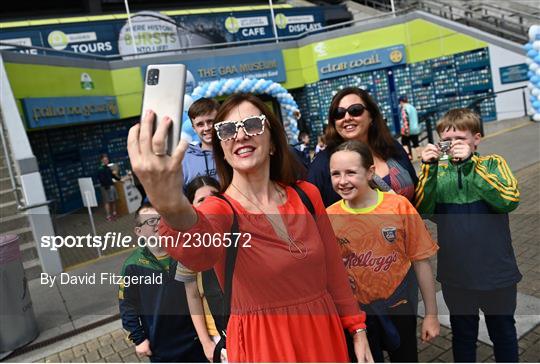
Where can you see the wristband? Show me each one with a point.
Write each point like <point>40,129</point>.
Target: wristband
<point>357,331</point>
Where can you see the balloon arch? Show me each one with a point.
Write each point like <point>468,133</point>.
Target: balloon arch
<point>257,86</point>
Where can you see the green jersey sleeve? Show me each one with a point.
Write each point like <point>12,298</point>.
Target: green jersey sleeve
<point>495,183</point>
<point>426,190</point>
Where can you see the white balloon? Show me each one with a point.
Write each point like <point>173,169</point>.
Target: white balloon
<point>529,61</point>
<point>533,31</point>
<point>535,92</point>
<point>531,86</point>
<point>188,100</point>
<point>533,66</point>
<point>537,72</point>
<point>536,45</point>
<point>536,117</point>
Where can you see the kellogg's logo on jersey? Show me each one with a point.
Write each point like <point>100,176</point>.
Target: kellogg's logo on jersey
<point>389,234</point>
<point>381,263</point>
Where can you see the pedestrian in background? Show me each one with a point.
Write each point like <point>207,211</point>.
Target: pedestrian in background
<point>108,191</point>
<point>409,127</point>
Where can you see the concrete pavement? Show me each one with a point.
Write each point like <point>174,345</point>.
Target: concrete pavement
<point>75,306</point>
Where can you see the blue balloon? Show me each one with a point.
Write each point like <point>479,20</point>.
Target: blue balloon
<point>527,46</point>
<point>536,104</point>
<point>532,53</point>
<point>535,79</point>
<point>537,59</point>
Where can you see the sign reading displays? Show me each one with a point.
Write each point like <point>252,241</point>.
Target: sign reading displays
<point>361,62</point>
<point>53,111</point>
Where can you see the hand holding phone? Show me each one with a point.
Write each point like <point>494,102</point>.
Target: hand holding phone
<point>164,89</point>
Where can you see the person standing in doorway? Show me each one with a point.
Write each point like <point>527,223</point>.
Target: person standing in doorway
<point>105,177</point>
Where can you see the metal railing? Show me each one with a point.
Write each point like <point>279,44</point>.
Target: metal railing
<point>512,27</point>
<point>428,116</point>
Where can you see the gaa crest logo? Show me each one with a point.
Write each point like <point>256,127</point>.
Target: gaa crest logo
<point>389,234</point>
<point>396,56</point>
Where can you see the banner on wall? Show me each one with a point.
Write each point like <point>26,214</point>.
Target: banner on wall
<point>267,64</point>
<point>514,73</point>
<point>55,111</point>
<point>362,62</point>
<point>25,39</point>
<point>156,32</point>
<point>152,32</point>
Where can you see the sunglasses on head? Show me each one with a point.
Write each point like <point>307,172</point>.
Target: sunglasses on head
<point>252,125</point>
<point>353,110</point>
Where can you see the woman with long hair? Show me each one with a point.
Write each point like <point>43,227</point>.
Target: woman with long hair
<point>354,115</point>
<point>290,297</point>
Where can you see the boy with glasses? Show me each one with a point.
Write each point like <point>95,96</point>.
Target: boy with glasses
<point>199,160</point>
<point>155,310</point>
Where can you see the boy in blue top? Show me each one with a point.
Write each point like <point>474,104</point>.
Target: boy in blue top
<point>471,197</point>
<point>199,158</point>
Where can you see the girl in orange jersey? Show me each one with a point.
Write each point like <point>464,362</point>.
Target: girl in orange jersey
<point>383,243</point>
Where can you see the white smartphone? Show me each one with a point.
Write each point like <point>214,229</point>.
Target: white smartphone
<point>164,89</point>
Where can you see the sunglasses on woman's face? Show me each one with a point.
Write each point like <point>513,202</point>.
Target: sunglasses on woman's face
<point>353,110</point>
<point>252,125</point>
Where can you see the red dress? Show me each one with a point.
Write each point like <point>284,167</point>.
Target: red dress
<point>283,309</point>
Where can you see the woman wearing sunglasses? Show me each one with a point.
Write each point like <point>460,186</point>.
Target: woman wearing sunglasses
<point>290,298</point>
<point>354,115</point>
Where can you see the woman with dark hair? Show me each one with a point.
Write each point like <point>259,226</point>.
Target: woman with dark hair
<point>291,297</point>
<point>354,115</point>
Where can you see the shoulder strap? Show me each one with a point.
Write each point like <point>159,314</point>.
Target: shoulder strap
<point>305,199</point>
<point>230,261</point>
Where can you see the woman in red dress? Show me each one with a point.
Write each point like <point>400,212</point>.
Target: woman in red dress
<point>291,298</point>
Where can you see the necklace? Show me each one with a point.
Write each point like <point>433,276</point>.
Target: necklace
<point>297,249</point>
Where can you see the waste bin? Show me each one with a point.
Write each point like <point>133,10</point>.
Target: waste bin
<point>18,324</point>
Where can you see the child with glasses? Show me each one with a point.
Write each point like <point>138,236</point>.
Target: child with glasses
<point>156,314</point>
